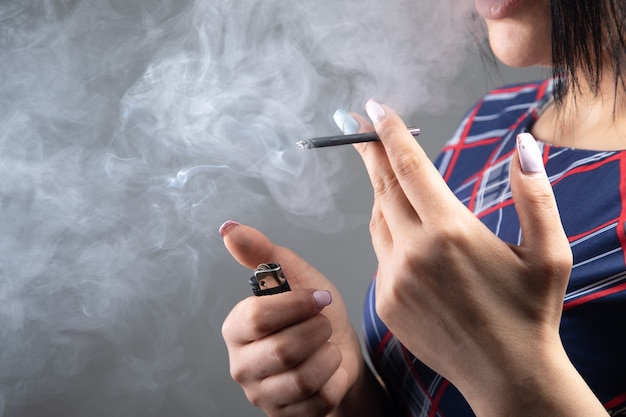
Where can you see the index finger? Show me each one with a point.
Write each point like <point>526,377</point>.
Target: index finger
<point>421,182</point>
<point>256,317</point>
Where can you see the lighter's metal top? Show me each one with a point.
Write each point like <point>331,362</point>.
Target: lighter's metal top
<point>269,279</point>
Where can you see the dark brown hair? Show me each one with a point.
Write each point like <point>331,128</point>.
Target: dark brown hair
<point>587,36</point>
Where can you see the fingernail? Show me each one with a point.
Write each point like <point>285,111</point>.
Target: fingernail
<point>322,298</point>
<point>375,111</point>
<point>529,154</point>
<point>346,122</point>
<point>227,226</point>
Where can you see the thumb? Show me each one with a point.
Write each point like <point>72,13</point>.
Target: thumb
<point>251,248</point>
<point>247,245</point>
<point>534,200</point>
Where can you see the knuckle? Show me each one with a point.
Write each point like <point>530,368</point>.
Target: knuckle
<point>253,317</point>
<point>254,398</point>
<point>288,352</point>
<point>303,385</point>
<point>407,163</point>
<point>383,184</point>
<point>230,326</point>
<point>376,221</point>
<point>565,260</point>
<point>238,373</point>
<point>554,264</point>
<point>542,199</point>
<point>327,402</point>
<point>284,353</point>
<point>451,233</point>
<point>227,330</point>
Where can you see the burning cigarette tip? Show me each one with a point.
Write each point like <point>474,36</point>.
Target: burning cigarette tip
<point>305,144</point>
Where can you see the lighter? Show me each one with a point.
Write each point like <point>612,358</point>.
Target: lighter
<point>269,279</point>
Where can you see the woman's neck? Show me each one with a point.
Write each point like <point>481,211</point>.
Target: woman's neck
<point>586,119</point>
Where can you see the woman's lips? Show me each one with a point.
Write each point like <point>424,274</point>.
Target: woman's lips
<point>495,9</point>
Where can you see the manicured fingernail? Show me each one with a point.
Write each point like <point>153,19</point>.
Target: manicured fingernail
<point>375,111</point>
<point>529,154</point>
<point>227,226</point>
<point>346,122</point>
<point>322,298</point>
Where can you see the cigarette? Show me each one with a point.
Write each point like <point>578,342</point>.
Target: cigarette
<point>346,139</point>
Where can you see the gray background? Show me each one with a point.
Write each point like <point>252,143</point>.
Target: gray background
<point>129,131</point>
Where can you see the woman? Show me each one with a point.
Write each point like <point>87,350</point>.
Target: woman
<point>467,315</point>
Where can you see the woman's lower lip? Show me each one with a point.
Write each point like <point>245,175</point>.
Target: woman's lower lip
<point>495,9</point>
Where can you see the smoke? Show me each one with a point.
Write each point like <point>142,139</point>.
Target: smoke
<point>130,130</point>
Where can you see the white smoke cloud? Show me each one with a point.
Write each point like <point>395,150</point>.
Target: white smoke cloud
<point>130,130</point>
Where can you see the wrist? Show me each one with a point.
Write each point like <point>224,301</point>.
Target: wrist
<point>539,383</point>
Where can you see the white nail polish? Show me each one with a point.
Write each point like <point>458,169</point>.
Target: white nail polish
<point>529,154</point>
<point>375,111</point>
<point>345,122</point>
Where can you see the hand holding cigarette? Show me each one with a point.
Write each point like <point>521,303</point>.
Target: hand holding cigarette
<point>445,280</point>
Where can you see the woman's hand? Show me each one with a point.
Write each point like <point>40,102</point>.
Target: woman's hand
<point>481,312</point>
<point>294,353</point>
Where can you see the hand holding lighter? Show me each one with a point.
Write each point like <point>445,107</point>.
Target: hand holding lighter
<point>269,279</point>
